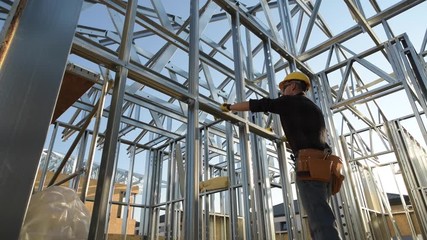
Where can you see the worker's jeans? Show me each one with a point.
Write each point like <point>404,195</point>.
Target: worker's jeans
<point>314,198</point>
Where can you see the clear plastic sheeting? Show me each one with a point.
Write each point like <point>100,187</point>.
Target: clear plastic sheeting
<point>56,213</point>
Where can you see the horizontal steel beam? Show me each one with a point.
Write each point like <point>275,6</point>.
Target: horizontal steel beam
<point>104,56</point>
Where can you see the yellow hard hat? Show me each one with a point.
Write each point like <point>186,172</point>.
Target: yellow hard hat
<point>295,76</point>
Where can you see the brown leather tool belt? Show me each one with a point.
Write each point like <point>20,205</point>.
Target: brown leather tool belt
<point>319,165</point>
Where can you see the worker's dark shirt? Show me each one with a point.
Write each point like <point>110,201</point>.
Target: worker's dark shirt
<point>302,120</point>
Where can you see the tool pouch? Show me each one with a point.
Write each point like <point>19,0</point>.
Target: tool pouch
<point>316,165</point>
<point>337,177</point>
<point>313,165</point>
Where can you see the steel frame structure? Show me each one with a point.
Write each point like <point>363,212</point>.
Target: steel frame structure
<point>152,117</point>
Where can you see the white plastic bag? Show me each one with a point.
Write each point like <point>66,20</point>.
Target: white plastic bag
<point>56,213</point>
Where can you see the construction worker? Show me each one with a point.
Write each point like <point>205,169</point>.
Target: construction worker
<point>305,131</point>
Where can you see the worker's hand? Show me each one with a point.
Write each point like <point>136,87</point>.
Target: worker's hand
<point>225,107</point>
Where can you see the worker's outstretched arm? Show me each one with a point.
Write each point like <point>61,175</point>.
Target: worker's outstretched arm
<point>235,107</point>
<point>241,106</point>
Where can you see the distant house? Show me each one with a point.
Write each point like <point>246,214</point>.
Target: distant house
<point>397,209</point>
